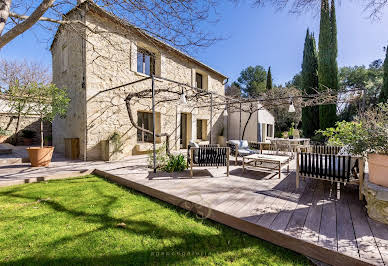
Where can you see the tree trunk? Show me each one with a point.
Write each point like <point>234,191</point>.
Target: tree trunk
<point>41,132</point>
<point>17,128</point>
<point>246,124</point>
<point>5,5</point>
<point>26,24</point>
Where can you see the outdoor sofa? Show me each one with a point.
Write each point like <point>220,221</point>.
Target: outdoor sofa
<point>241,148</point>
<point>330,166</point>
<point>207,155</point>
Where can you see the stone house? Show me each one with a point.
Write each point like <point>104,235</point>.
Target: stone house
<point>260,127</point>
<point>101,52</point>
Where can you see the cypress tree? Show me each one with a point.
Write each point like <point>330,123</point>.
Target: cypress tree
<point>310,114</point>
<point>269,79</point>
<point>327,62</point>
<point>384,90</point>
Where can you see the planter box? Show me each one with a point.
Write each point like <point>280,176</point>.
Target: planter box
<point>377,201</point>
<point>378,169</point>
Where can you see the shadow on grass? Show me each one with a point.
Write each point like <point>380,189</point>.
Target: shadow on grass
<point>190,245</point>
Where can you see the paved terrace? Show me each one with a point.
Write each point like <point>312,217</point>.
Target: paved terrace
<point>309,220</point>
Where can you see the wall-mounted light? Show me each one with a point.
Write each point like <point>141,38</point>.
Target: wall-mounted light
<point>182,99</point>
<point>291,109</point>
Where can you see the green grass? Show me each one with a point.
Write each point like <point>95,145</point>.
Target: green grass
<point>75,221</point>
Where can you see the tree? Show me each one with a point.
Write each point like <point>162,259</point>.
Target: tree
<point>296,81</point>
<point>233,89</point>
<point>354,80</point>
<point>309,85</point>
<point>269,79</point>
<point>16,79</point>
<point>179,23</point>
<point>373,7</point>
<point>252,81</point>
<point>48,101</point>
<point>327,62</point>
<point>384,89</point>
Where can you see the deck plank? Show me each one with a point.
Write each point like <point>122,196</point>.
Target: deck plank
<point>298,218</point>
<point>346,238</point>
<point>282,219</point>
<point>313,219</point>
<point>278,204</point>
<point>366,243</point>
<point>380,232</point>
<point>328,229</point>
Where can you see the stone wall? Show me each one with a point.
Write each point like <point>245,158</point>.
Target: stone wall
<point>8,122</point>
<point>110,60</point>
<point>72,78</point>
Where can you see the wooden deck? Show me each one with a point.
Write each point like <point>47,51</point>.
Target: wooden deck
<point>309,220</point>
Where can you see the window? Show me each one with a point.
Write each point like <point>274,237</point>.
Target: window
<point>145,62</point>
<point>269,130</point>
<point>198,81</point>
<point>144,120</point>
<point>201,129</point>
<point>65,55</point>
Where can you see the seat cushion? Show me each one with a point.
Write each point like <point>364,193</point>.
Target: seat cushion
<point>193,144</point>
<point>234,142</point>
<point>244,144</point>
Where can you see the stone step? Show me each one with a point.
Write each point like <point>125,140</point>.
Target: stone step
<point>11,160</point>
<point>5,151</point>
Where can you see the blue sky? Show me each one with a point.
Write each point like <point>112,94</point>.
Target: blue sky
<point>258,36</point>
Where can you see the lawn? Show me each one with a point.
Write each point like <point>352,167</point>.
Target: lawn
<point>87,220</point>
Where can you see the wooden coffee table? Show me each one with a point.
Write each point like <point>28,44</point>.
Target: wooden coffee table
<point>267,161</point>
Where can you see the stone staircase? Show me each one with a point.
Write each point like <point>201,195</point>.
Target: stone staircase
<point>9,154</point>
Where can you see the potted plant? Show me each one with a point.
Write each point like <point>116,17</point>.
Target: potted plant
<point>366,136</point>
<point>28,135</point>
<point>291,131</point>
<point>48,101</point>
<point>4,134</point>
<point>221,138</point>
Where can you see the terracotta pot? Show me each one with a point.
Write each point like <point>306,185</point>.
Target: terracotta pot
<point>3,138</point>
<point>221,141</point>
<point>378,169</point>
<point>27,142</point>
<point>40,156</point>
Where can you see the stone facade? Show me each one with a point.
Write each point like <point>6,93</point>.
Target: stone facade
<point>377,198</point>
<point>8,122</point>
<point>87,62</point>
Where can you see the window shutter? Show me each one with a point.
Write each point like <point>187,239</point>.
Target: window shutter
<point>133,57</point>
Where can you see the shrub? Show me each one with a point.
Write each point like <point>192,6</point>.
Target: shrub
<point>176,163</point>
<point>28,134</point>
<point>161,158</point>
<point>367,134</point>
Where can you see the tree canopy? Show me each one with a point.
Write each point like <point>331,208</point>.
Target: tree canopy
<point>309,85</point>
<point>252,81</point>
<point>384,89</point>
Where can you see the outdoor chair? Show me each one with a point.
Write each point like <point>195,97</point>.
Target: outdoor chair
<point>282,147</point>
<point>207,155</point>
<point>241,148</point>
<point>331,167</point>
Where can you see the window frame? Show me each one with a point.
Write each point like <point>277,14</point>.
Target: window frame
<point>196,82</point>
<point>199,127</point>
<point>269,129</point>
<point>65,57</point>
<point>144,136</point>
<point>152,65</point>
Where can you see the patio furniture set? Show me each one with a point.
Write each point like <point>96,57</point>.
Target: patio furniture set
<point>328,163</point>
